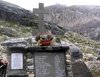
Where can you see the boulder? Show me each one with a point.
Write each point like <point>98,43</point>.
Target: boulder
<point>98,58</point>
<point>9,32</point>
<point>11,12</point>
<point>15,42</point>
<point>80,69</point>
<point>90,57</point>
<point>76,53</point>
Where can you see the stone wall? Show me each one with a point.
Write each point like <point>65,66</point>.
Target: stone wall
<point>30,64</point>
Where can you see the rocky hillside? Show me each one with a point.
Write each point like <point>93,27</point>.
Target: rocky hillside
<point>11,12</point>
<point>12,34</point>
<point>85,44</point>
<point>82,19</point>
<point>17,14</point>
<point>89,47</point>
<point>10,30</point>
<point>13,30</point>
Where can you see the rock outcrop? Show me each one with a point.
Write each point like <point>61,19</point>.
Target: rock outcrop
<point>14,13</point>
<point>84,20</point>
<point>80,69</point>
<point>9,32</point>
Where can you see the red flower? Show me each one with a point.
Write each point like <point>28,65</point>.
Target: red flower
<point>45,42</point>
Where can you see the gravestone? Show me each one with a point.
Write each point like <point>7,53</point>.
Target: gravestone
<point>41,11</point>
<point>50,64</point>
<point>49,61</point>
<point>38,61</point>
<point>16,66</point>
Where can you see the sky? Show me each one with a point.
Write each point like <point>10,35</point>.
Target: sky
<point>30,4</point>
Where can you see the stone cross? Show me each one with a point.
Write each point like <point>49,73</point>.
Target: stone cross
<point>41,11</point>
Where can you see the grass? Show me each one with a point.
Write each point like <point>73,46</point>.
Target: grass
<point>87,45</point>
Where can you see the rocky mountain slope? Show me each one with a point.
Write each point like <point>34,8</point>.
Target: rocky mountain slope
<point>11,12</point>
<point>12,28</point>
<point>22,36</point>
<point>82,19</point>
<point>14,32</point>
<point>17,14</point>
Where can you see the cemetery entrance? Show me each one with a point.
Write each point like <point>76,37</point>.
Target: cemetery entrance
<point>48,61</point>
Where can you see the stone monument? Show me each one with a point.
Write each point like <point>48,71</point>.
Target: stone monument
<point>43,61</point>
<point>41,11</point>
<point>16,66</point>
<point>38,61</point>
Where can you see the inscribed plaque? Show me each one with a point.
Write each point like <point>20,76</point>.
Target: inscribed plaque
<point>50,64</point>
<point>16,61</point>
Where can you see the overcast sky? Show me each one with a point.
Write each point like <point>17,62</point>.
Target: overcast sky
<point>29,4</point>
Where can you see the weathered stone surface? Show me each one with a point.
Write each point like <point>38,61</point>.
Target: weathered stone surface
<point>30,67</point>
<point>11,12</point>
<point>94,66</point>
<point>18,42</point>
<point>81,19</point>
<point>76,53</point>
<point>55,29</point>
<point>80,69</point>
<point>9,32</point>
<point>29,60</point>
<point>89,57</point>
<point>98,58</point>
<point>14,43</point>
<point>29,56</point>
<point>31,75</point>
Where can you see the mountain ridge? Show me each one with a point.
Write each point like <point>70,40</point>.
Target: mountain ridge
<point>79,16</point>
<point>17,14</point>
<point>12,33</point>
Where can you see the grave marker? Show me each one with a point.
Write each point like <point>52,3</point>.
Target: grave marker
<point>50,64</point>
<point>41,61</point>
<point>41,11</point>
